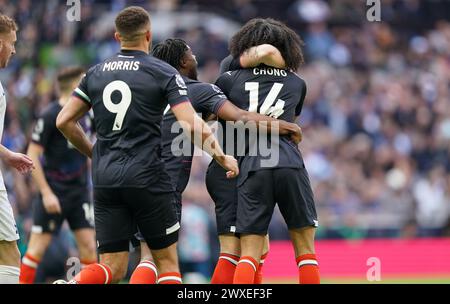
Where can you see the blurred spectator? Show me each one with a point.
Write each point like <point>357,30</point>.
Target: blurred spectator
<point>194,250</point>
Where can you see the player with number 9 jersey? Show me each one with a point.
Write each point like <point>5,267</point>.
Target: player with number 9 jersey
<point>134,86</point>
<point>128,94</point>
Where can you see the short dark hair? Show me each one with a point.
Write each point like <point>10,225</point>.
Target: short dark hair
<point>131,21</point>
<point>171,51</point>
<point>67,75</point>
<point>7,24</point>
<point>269,31</point>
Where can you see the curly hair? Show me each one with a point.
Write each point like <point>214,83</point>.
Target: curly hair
<point>171,51</point>
<point>269,31</point>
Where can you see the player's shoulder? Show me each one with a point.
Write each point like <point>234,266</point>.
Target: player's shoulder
<point>191,82</point>
<point>159,65</point>
<point>162,71</point>
<point>296,78</point>
<point>200,86</point>
<point>96,67</point>
<point>229,76</point>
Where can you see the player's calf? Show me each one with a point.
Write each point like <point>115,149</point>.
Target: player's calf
<point>145,272</point>
<point>85,239</point>
<point>251,252</point>
<point>308,267</point>
<point>37,246</point>
<point>230,251</point>
<point>259,272</point>
<point>111,269</point>
<point>166,261</point>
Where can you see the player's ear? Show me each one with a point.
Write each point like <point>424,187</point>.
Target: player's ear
<point>183,63</point>
<point>148,36</point>
<point>117,36</point>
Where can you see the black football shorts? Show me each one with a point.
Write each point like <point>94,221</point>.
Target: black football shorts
<point>120,212</point>
<point>288,187</point>
<point>223,192</point>
<point>178,204</point>
<point>76,207</point>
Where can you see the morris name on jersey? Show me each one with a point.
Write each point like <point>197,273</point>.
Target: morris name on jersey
<point>121,65</point>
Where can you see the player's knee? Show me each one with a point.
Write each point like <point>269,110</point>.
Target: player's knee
<point>9,254</point>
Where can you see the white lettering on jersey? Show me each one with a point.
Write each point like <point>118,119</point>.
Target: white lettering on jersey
<point>180,81</point>
<point>121,65</point>
<point>269,71</point>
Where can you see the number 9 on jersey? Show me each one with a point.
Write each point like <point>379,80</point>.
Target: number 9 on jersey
<point>120,108</point>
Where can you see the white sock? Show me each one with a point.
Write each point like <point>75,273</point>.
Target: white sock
<point>9,274</point>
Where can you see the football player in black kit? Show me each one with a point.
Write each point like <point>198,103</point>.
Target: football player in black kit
<point>224,191</point>
<point>208,100</point>
<point>279,93</point>
<point>62,180</point>
<point>128,94</point>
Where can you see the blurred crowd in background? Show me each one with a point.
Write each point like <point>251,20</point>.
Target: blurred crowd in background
<point>376,118</point>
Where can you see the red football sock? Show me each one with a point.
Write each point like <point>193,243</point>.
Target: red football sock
<point>245,271</point>
<point>224,271</point>
<point>308,269</point>
<point>28,269</point>
<point>145,273</point>
<point>170,278</point>
<point>94,274</point>
<point>259,274</point>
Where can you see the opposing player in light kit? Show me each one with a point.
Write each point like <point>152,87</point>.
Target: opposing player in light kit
<point>128,93</point>
<point>62,179</point>
<point>9,253</point>
<point>279,93</point>
<point>208,100</point>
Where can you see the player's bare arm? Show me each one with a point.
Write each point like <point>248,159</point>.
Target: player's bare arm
<point>195,127</point>
<point>67,123</point>
<point>51,202</point>
<point>19,161</point>
<point>229,112</point>
<point>264,53</point>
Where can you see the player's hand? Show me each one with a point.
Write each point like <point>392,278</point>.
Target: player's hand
<point>20,162</point>
<point>51,203</point>
<point>230,164</point>
<point>297,135</point>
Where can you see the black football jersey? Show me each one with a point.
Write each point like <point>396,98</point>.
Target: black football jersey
<point>270,91</point>
<point>206,99</point>
<point>229,63</point>
<point>62,163</point>
<point>128,94</point>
